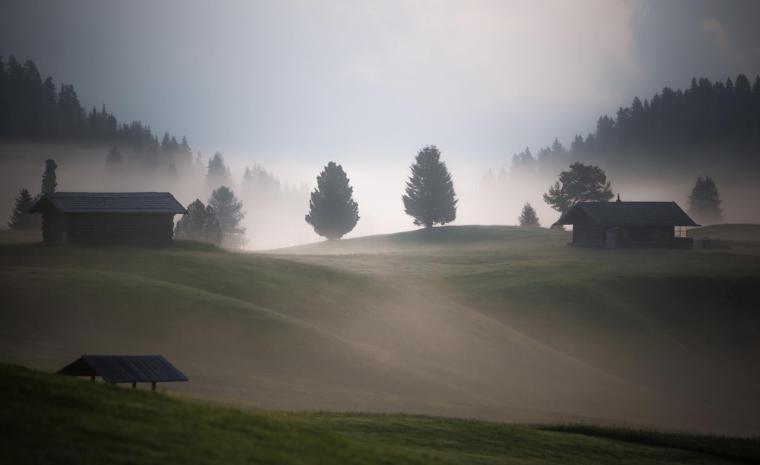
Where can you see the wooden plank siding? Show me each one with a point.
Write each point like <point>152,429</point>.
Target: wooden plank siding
<point>145,218</point>
<point>120,228</point>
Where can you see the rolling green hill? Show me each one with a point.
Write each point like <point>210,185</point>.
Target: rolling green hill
<point>48,419</point>
<point>494,323</point>
<point>728,232</point>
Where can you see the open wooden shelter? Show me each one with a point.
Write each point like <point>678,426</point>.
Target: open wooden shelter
<point>124,369</point>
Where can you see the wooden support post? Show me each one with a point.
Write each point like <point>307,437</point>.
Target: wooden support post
<point>134,385</point>
<point>153,386</point>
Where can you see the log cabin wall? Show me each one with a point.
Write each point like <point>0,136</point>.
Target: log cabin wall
<point>121,228</point>
<point>587,233</point>
<point>55,227</point>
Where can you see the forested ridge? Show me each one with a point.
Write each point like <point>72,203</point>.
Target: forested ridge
<point>710,123</point>
<point>706,125</point>
<point>36,109</point>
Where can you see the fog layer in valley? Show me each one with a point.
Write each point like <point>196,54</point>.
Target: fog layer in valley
<point>276,199</point>
<point>474,323</point>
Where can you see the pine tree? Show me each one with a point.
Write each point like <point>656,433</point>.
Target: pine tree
<point>582,183</point>
<point>704,201</point>
<point>430,198</point>
<point>20,217</point>
<point>528,218</point>
<point>49,179</point>
<point>199,224</point>
<point>229,212</point>
<point>332,210</point>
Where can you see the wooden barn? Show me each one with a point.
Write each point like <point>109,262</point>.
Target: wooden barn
<point>628,224</point>
<point>108,217</point>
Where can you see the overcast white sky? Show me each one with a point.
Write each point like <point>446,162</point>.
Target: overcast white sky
<point>289,83</point>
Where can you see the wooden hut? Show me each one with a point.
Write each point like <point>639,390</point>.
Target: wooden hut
<point>124,369</point>
<point>108,217</point>
<point>628,224</point>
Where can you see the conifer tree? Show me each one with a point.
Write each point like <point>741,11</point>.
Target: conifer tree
<point>528,218</point>
<point>199,224</point>
<point>49,179</point>
<point>229,212</point>
<point>20,217</point>
<point>332,210</point>
<point>430,198</point>
<point>704,201</point>
<point>581,183</point>
<point>218,174</point>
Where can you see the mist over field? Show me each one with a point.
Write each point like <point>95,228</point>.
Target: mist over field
<point>402,231</point>
<point>275,204</point>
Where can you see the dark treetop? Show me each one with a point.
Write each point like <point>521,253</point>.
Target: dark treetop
<point>430,198</point>
<point>332,210</point>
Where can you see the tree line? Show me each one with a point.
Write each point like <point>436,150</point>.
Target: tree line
<point>429,198</point>
<point>36,109</point>
<point>709,123</point>
<point>724,114</point>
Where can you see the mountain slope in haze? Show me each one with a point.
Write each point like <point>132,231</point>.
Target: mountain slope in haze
<point>489,322</point>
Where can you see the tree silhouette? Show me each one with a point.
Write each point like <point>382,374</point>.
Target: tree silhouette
<point>528,218</point>
<point>218,174</point>
<point>229,212</point>
<point>332,210</point>
<point>49,179</point>
<point>704,201</point>
<point>430,198</point>
<point>37,110</point>
<point>582,183</point>
<point>20,217</point>
<point>199,224</point>
<point>710,122</point>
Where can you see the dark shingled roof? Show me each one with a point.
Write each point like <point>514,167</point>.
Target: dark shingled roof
<point>124,368</point>
<point>629,214</point>
<point>110,202</point>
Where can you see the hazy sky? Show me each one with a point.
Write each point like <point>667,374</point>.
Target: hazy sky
<point>286,82</point>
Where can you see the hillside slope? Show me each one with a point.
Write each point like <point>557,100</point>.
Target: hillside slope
<point>488,322</point>
<point>51,419</point>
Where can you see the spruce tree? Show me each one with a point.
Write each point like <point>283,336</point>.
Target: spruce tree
<point>199,224</point>
<point>20,217</point>
<point>704,201</point>
<point>332,210</point>
<point>49,179</point>
<point>528,218</point>
<point>581,183</point>
<point>430,198</point>
<point>229,212</point>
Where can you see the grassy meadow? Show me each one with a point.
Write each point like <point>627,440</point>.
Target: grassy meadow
<point>494,323</point>
<point>47,419</point>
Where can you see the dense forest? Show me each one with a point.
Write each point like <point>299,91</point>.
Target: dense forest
<point>36,110</point>
<point>708,125</point>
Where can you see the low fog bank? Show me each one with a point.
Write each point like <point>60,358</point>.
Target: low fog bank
<point>383,348</point>
<point>276,197</point>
